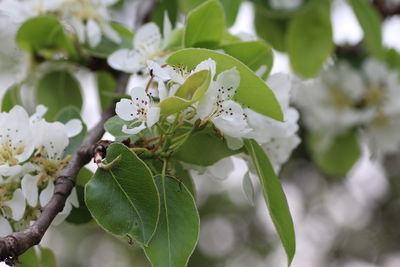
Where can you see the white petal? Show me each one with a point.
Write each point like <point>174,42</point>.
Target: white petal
<point>153,115</point>
<point>39,113</point>
<point>5,227</point>
<point>17,205</point>
<point>6,170</point>
<point>227,83</point>
<point>162,91</point>
<point>125,60</point>
<point>231,121</point>
<point>26,153</point>
<point>46,194</point>
<point>134,130</point>
<point>221,169</point>
<point>206,106</point>
<point>110,33</point>
<point>73,198</point>
<point>30,188</point>
<point>74,127</point>
<point>93,33</point>
<point>167,30</point>
<point>126,110</point>
<point>140,97</point>
<point>147,36</point>
<point>158,72</point>
<point>79,28</point>
<point>207,64</point>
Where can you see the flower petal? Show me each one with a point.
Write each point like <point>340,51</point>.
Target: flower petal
<point>207,64</point>
<point>6,170</point>
<point>125,60</point>
<point>167,30</point>
<point>162,91</point>
<point>93,33</point>
<point>148,36</point>
<point>30,189</point>
<point>158,72</point>
<point>227,83</point>
<point>125,110</point>
<point>74,127</point>
<point>17,205</point>
<point>5,227</point>
<point>231,120</point>
<point>134,130</point>
<point>46,194</point>
<point>110,33</point>
<point>153,115</point>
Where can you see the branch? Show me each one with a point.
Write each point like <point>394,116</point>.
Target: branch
<point>17,243</point>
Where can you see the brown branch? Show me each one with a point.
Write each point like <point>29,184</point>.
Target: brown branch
<point>17,243</point>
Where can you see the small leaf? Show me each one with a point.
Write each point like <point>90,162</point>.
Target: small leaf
<point>274,197</point>
<point>114,126</point>
<point>66,115</point>
<point>252,90</point>
<point>10,98</point>
<point>209,144</point>
<point>179,226</point>
<point>370,22</point>
<point>205,25</point>
<point>312,23</point>
<point>106,85</point>
<point>124,199</point>
<point>272,30</point>
<point>248,189</point>
<point>188,93</point>
<point>254,54</point>
<point>28,259</point>
<point>47,258</point>
<point>339,157</point>
<point>231,8</point>
<point>57,90</point>
<point>184,176</point>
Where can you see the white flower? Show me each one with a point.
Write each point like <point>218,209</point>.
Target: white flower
<point>140,109</point>
<point>29,187</point>
<point>16,141</point>
<point>5,227</point>
<point>17,205</point>
<point>147,45</point>
<point>216,105</point>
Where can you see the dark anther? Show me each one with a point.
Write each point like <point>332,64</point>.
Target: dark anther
<point>151,73</point>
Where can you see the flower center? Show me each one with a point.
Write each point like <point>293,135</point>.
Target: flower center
<point>7,154</point>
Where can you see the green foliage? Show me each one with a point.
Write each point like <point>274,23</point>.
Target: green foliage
<point>66,115</point>
<point>163,7</point>
<point>309,38</point>
<point>205,25</point>
<point>252,91</point>
<point>274,197</point>
<point>105,87</point>
<point>28,259</point>
<point>124,199</point>
<point>114,126</point>
<point>370,22</point>
<point>47,258</point>
<point>231,8</point>
<point>10,98</point>
<point>272,30</point>
<point>208,143</point>
<point>254,54</point>
<point>183,175</point>
<point>178,229</point>
<point>45,36</point>
<point>339,157</point>
<point>188,93</point>
<point>56,90</point>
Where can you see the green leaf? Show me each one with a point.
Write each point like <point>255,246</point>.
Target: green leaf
<point>309,38</point>
<point>272,30</point>
<point>229,38</point>
<point>205,25</point>
<point>188,93</point>
<point>66,115</point>
<point>47,258</point>
<point>370,22</point>
<point>274,197</point>
<point>163,7</point>
<point>339,157</point>
<point>231,8</point>
<point>84,176</point>
<point>124,199</point>
<point>106,86</point>
<point>28,259</point>
<point>179,226</point>
<point>114,126</point>
<point>57,90</point>
<point>184,176</point>
<point>43,34</point>
<point>107,47</point>
<point>10,98</point>
<point>254,54</point>
<point>252,91</point>
<point>208,143</point>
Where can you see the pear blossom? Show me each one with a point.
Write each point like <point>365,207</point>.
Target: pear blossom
<point>218,107</point>
<point>138,109</point>
<point>147,45</point>
<point>17,205</point>
<point>5,227</point>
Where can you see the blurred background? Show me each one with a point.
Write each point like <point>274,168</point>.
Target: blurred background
<point>346,222</point>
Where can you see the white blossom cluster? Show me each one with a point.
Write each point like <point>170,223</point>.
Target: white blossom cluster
<point>344,98</point>
<point>31,159</point>
<point>89,19</point>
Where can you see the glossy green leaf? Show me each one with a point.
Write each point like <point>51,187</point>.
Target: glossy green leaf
<point>272,30</point>
<point>105,87</point>
<point>66,115</point>
<point>205,25</point>
<point>43,34</point>
<point>57,90</point>
<point>370,22</point>
<point>179,226</point>
<point>47,258</point>
<point>124,199</point>
<point>188,93</point>
<point>114,126</point>
<point>28,259</point>
<point>339,157</point>
<point>229,38</point>
<point>10,98</point>
<point>209,144</point>
<point>231,8</point>
<point>309,38</point>
<point>84,176</point>
<point>252,91</point>
<point>184,176</point>
<point>274,197</point>
<point>254,54</point>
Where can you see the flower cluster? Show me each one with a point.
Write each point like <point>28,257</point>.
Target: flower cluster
<point>31,159</point>
<point>88,18</point>
<point>344,98</point>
